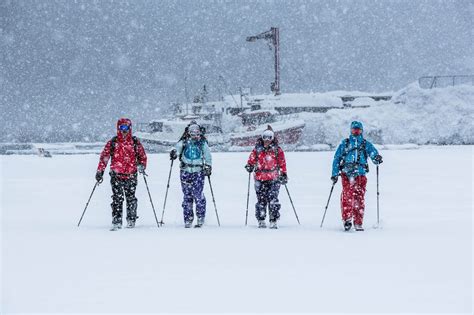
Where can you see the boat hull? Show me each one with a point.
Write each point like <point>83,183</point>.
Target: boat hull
<point>290,135</point>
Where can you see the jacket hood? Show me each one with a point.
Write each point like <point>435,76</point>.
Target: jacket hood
<point>124,121</point>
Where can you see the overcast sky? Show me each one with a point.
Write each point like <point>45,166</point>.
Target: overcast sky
<point>76,66</point>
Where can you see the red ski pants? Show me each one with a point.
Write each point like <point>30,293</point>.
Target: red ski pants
<point>352,198</point>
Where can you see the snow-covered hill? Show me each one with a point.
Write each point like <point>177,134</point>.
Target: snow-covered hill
<point>413,115</point>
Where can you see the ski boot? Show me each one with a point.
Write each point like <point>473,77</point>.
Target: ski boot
<point>130,224</point>
<point>262,224</point>
<point>347,225</point>
<point>116,226</point>
<point>188,224</point>
<point>358,227</point>
<point>273,225</point>
<point>199,223</point>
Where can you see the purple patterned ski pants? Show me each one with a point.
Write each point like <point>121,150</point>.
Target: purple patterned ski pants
<point>192,185</point>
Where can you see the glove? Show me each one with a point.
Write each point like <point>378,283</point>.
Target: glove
<point>378,159</point>
<point>249,168</point>
<point>283,178</point>
<point>99,176</point>
<point>207,170</point>
<point>173,155</point>
<point>141,169</point>
<point>334,179</point>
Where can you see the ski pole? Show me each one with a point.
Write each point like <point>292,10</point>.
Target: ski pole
<point>289,196</point>
<point>166,195</point>
<point>213,200</point>
<point>322,221</point>
<point>151,201</point>
<point>248,195</point>
<point>378,194</point>
<point>96,184</point>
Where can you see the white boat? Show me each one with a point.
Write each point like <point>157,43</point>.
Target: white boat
<point>167,132</point>
<point>287,131</point>
<point>246,127</point>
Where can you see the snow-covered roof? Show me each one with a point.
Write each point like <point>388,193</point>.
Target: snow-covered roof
<point>299,100</point>
<point>289,100</point>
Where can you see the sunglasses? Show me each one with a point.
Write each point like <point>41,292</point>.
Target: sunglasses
<point>124,127</point>
<point>267,137</point>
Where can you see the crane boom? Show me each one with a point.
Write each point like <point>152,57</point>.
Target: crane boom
<point>273,36</point>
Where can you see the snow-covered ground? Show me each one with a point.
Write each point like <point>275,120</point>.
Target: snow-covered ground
<point>419,261</point>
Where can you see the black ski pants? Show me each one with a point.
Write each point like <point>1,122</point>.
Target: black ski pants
<point>267,195</point>
<point>123,185</point>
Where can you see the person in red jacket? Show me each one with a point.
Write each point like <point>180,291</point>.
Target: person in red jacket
<point>268,161</point>
<point>128,156</point>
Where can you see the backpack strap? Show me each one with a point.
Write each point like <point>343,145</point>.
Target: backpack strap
<point>202,151</point>
<point>113,141</point>
<point>364,151</point>
<point>276,158</point>
<point>135,149</point>
<point>185,144</point>
<point>344,154</point>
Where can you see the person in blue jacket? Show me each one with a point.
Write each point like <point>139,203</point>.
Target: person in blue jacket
<point>351,162</point>
<point>195,163</point>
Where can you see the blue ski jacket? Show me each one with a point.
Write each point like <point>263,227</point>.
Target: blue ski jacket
<point>194,154</point>
<point>351,156</point>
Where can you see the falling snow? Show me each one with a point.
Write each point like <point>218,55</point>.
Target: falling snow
<point>88,62</point>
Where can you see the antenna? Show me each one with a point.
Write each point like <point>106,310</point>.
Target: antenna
<point>186,93</point>
<point>227,88</point>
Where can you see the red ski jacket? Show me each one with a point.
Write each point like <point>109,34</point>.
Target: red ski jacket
<point>270,162</point>
<point>124,161</point>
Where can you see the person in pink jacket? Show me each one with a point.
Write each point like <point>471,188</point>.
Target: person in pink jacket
<point>268,161</point>
<point>128,157</point>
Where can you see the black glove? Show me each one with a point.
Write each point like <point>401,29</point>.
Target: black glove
<point>207,170</point>
<point>378,159</point>
<point>173,155</point>
<point>141,169</point>
<point>99,176</point>
<point>283,178</point>
<point>249,168</point>
<point>334,179</point>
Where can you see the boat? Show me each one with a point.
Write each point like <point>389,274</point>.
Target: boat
<point>225,125</point>
<point>286,129</point>
<point>167,131</point>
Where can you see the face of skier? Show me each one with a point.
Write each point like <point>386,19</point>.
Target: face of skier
<point>194,132</point>
<point>356,131</point>
<point>267,139</point>
<point>124,129</point>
